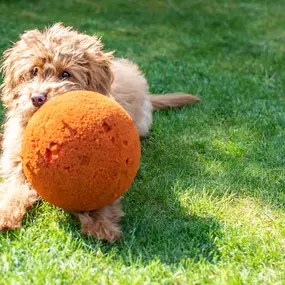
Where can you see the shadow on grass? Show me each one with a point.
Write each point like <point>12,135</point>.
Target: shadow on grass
<point>170,241</point>
<point>156,226</point>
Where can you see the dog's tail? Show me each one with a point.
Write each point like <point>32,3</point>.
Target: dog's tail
<point>173,100</point>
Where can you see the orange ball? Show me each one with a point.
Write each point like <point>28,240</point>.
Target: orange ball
<point>80,151</point>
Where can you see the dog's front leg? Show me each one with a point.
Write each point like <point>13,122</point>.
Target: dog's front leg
<point>15,199</point>
<point>102,224</point>
<point>15,193</point>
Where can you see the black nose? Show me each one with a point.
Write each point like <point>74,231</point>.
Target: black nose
<point>38,99</point>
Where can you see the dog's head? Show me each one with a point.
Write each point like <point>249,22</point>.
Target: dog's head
<point>45,64</point>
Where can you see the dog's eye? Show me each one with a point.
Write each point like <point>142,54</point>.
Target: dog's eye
<point>35,71</point>
<point>65,75</point>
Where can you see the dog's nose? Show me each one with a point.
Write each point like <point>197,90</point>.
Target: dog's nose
<point>38,99</point>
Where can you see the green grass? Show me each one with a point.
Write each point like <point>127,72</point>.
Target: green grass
<point>208,204</point>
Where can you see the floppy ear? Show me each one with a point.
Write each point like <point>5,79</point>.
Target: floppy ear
<point>100,74</point>
<point>12,66</point>
<point>8,68</point>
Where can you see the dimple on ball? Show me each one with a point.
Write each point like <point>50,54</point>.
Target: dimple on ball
<point>80,151</point>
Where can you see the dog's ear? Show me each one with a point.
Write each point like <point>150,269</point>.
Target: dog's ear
<point>8,68</point>
<point>100,75</point>
<point>14,65</point>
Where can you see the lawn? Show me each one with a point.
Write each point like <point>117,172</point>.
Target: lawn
<point>208,204</point>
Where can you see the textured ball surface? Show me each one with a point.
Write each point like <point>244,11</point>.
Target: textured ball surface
<point>80,151</point>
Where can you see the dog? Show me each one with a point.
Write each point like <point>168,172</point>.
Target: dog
<point>45,64</point>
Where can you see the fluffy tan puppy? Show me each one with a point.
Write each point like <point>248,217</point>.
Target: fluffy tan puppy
<point>45,64</point>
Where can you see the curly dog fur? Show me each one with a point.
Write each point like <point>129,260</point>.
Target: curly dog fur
<point>36,65</point>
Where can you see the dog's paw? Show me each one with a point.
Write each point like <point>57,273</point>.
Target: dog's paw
<point>102,224</point>
<point>102,233</point>
<point>10,217</point>
<point>13,207</point>
<point>100,229</point>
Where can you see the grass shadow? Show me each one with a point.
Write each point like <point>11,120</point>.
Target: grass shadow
<point>183,238</point>
<point>157,226</point>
